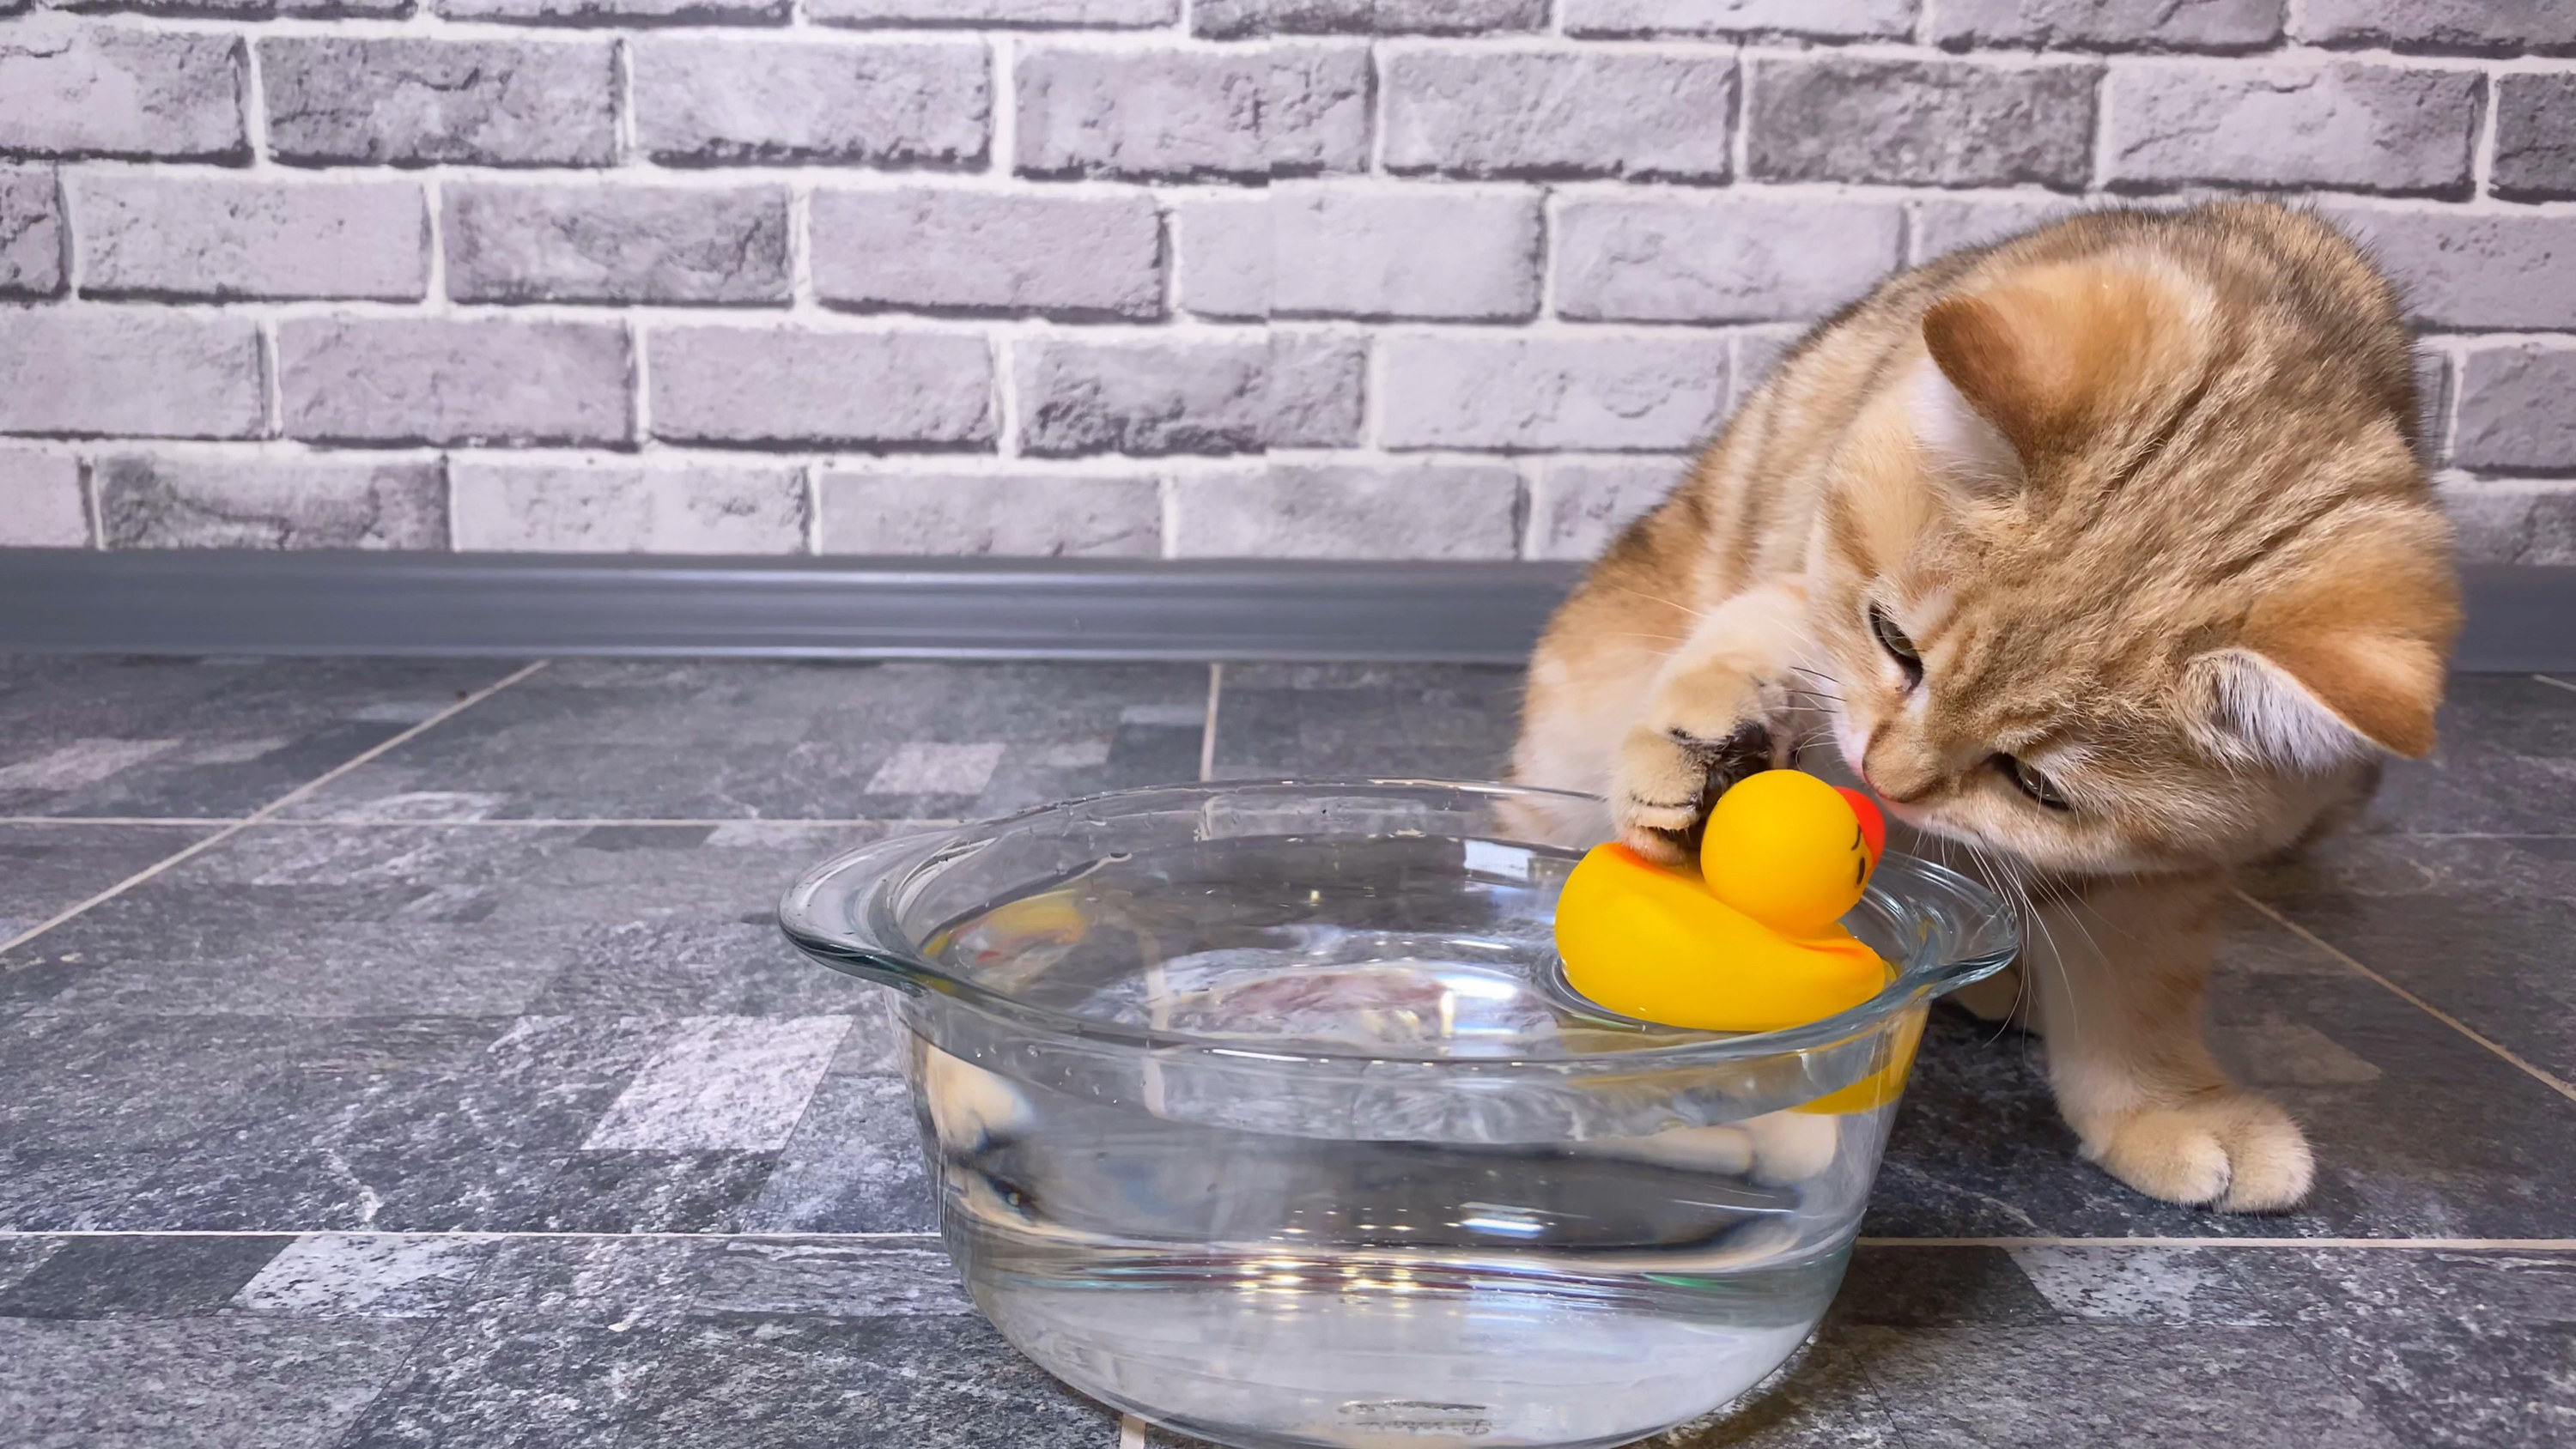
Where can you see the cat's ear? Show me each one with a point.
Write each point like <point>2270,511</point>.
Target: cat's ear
<point>2322,702</point>
<point>1964,449</point>
<point>2044,354</point>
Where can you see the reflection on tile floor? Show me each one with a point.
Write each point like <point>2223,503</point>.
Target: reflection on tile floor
<point>469,994</point>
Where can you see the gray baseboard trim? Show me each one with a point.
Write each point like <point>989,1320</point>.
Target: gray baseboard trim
<point>218,602</point>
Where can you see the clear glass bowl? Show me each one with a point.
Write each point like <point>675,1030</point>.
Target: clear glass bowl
<point>1265,1112</point>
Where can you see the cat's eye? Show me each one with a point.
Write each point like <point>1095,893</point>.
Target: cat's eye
<point>1898,647</point>
<point>2031,782</point>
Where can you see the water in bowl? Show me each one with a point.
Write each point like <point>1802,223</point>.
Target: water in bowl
<point>1267,1264</point>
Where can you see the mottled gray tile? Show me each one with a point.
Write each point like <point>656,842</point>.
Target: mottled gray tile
<point>829,1278</point>
<point>19,1256</point>
<point>138,1277</point>
<point>596,1281</point>
<point>1931,1287</point>
<point>721,1082</point>
<point>2506,763</point>
<point>207,1383</point>
<point>735,740</point>
<point>2447,1348</point>
<point>2047,1387</point>
<point>2438,1138</point>
<point>903,1382</point>
<point>1821,1399</point>
<point>511,1381</point>
<point>366,1275</point>
<point>82,1082</point>
<point>1308,721</point>
<point>309,920</point>
<point>89,735</point>
<point>2478,927</point>
<point>48,868</point>
<point>854,1165</point>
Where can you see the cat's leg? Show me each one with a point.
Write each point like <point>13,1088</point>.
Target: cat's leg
<point>1714,712</point>
<point>2118,972</point>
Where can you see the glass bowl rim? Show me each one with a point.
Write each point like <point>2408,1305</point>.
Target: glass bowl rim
<point>886,866</point>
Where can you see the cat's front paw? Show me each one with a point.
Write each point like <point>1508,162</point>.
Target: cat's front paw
<point>2233,1151</point>
<point>1666,779</point>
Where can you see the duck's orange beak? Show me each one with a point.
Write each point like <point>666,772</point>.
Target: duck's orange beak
<point>1873,824</point>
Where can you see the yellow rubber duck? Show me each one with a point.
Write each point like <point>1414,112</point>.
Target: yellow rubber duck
<point>1750,942</point>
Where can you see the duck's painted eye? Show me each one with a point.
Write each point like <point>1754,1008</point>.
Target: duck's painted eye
<point>2031,782</point>
<point>1898,647</point>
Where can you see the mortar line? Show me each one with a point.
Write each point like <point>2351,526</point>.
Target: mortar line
<point>1207,731</point>
<point>272,807</point>
<point>2536,1073</point>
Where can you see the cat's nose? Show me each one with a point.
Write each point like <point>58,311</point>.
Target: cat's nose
<point>1899,790</point>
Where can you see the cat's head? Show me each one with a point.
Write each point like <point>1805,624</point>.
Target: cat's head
<point>2136,568</point>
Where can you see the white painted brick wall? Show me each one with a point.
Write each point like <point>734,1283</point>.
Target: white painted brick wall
<point>1129,278</point>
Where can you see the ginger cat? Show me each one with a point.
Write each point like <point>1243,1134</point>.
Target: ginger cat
<point>2104,552</point>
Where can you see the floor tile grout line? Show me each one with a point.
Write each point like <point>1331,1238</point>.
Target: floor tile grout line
<point>552,822</point>
<point>924,1236</point>
<point>2423,1245</point>
<point>2535,1072</point>
<point>191,852</point>
<point>1207,731</point>
<point>2420,1245</point>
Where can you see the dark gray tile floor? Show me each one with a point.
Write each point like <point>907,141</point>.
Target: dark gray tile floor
<point>437,1096</point>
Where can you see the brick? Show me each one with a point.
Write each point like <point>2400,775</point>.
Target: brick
<point>1408,511</point>
<point>2535,153</point>
<point>2519,522</point>
<point>1559,113</point>
<point>1944,224</point>
<point>453,380</point>
<point>401,101</point>
<point>2343,124</point>
<point>1246,19</point>
<point>2467,270</point>
<point>1723,258</point>
<point>2108,24</point>
<point>592,507</point>
<point>94,90</point>
<point>701,101</point>
<point>621,12</point>
<point>31,233</point>
<point>1016,515</point>
<point>146,374</point>
<point>1090,14</point>
<point>1148,399</point>
<point>1178,115</point>
<point>161,502</point>
<point>773,387</point>
<point>1328,251</point>
<point>40,501</point>
<point>1936,122</point>
<point>1576,508</point>
<point>1827,19</point>
<point>934,250</point>
<point>1613,394</point>
<point>232,237</point>
<point>510,242</point>
<point>2485,27</point>
<point>2517,409</point>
